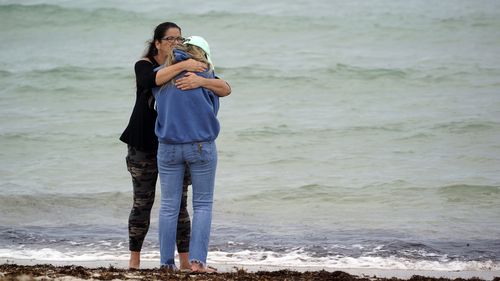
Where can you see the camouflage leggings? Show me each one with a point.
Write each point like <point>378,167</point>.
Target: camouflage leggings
<point>143,168</point>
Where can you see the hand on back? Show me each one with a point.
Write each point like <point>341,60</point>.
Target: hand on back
<point>189,81</point>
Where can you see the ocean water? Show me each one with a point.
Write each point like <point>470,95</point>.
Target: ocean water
<point>359,134</point>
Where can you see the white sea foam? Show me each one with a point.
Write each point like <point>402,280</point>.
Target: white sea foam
<point>295,258</point>
<point>47,254</point>
<point>298,258</point>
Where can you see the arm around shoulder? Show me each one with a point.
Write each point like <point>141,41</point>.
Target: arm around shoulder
<point>168,73</point>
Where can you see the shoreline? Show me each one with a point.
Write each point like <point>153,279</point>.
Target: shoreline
<point>150,270</point>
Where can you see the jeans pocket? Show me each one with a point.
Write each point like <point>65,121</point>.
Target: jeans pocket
<point>166,153</point>
<point>205,151</point>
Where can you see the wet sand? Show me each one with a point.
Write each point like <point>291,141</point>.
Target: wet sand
<point>74,272</point>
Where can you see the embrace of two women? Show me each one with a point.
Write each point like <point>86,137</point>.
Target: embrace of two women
<point>171,133</point>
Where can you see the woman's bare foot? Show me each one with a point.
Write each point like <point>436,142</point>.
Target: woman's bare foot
<point>199,268</point>
<point>135,260</point>
<point>184,261</point>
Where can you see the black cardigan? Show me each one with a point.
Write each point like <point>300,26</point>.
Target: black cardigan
<point>140,131</point>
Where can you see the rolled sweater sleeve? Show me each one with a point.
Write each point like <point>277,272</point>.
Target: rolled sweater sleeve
<point>145,75</point>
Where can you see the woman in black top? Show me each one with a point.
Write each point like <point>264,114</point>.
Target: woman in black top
<point>143,143</point>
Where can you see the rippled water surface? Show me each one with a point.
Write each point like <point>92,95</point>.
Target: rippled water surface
<point>360,134</point>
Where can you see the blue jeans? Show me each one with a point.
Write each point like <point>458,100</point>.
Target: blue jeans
<point>201,157</point>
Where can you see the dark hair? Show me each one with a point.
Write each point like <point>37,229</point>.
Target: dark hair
<point>160,30</point>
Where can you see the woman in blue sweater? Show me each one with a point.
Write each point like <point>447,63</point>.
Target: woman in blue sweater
<point>186,128</point>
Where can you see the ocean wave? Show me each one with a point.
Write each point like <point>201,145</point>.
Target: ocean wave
<point>473,194</point>
<point>25,136</point>
<point>47,254</point>
<point>62,135</point>
<point>394,127</point>
<point>284,130</point>
<point>253,72</point>
<point>417,74</point>
<point>74,200</point>
<point>63,206</point>
<point>368,73</point>
<point>387,24</point>
<point>73,72</point>
<point>302,194</point>
<point>376,193</point>
<point>484,189</point>
<point>432,131</point>
<point>266,131</point>
<point>40,15</point>
<point>263,74</point>
<point>294,258</point>
<point>416,136</point>
<point>302,259</point>
<point>4,73</point>
<point>250,244</point>
<point>421,75</point>
<point>466,126</point>
<point>475,20</point>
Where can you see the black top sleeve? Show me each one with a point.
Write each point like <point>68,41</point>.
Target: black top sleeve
<point>145,75</point>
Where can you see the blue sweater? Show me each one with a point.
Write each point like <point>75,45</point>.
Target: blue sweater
<point>186,116</point>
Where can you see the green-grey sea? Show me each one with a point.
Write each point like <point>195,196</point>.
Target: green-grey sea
<point>358,133</point>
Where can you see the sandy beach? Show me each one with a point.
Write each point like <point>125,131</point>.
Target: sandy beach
<point>113,270</point>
